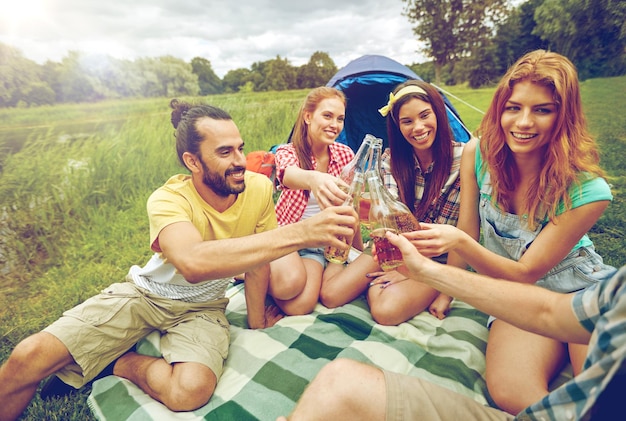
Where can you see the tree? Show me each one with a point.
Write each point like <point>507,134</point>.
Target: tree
<point>114,78</point>
<point>208,81</point>
<point>72,83</point>
<point>278,75</point>
<point>515,36</point>
<point>20,81</point>
<point>592,34</point>
<point>317,72</point>
<point>424,70</point>
<point>451,29</point>
<point>167,77</point>
<point>37,93</point>
<point>513,39</point>
<point>235,79</point>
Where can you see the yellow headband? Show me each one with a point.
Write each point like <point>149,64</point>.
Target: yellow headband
<point>411,89</point>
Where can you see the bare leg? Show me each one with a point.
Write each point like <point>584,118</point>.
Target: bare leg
<point>343,284</point>
<point>256,287</point>
<point>32,360</point>
<point>343,390</point>
<point>306,301</point>
<point>288,277</point>
<point>399,302</point>
<point>179,386</point>
<point>520,365</point>
<point>577,356</point>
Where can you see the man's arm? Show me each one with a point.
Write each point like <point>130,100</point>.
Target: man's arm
<point>528,307</point>
<point>199,260</point>
<point>255,290</point>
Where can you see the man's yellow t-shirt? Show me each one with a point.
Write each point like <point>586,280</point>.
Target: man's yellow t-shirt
<point>178,201</point>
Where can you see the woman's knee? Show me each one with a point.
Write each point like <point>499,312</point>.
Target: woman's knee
<point>385,313</point>
<point>330,294</point>
<point>514,390</point>
<point>287,285</point>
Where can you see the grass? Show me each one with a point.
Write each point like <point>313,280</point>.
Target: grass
<point>73,193</point>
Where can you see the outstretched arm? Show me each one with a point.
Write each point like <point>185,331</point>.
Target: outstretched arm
<point>199,260</point>
<point>513,302</point>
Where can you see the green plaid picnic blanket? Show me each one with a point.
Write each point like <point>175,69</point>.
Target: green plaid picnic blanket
<point>267,370</point>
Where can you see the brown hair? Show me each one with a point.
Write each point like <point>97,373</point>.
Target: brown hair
<point>403,168</point>
<point>184,118</point>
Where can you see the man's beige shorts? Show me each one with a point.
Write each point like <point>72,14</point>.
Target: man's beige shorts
<point>412,398</point>
<point>105,326</point>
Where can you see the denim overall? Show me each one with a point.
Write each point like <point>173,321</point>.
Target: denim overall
<point>506,235</point>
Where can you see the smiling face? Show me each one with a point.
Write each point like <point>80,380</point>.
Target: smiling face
<point>222,160</point>
<point>529,117</point>
<point>326,122</point>
<point>418,124</point>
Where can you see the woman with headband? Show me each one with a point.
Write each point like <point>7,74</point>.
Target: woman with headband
<point>531,189</point>
<point>420,168</point>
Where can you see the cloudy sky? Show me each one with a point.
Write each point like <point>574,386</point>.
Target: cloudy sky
<point>231,34</point>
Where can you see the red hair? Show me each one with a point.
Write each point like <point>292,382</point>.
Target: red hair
<point>571,152</point>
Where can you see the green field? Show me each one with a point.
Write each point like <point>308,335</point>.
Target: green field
<point>75,178</point>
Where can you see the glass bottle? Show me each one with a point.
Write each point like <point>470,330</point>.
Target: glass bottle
<point>331,253</point>
<point>353,174</point>
<point>386,214</point>
<point>358,164</point>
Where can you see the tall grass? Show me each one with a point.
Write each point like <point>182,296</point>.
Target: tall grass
<point>72,205</point>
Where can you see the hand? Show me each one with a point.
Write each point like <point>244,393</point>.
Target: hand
<point>271,316</point>
<point>440,307</point>
<point>326,189</point>
<point>413,260</point>
<point>435,239</point>
<point>385,279</point>
<point>329,226</point>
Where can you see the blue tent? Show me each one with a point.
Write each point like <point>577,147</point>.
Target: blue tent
<point>367,82</point>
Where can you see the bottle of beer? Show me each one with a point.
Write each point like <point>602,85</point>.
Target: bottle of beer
<point>333,254</point>
<point>353,174</point>
<point>386,214</point>
<point>358,164</point>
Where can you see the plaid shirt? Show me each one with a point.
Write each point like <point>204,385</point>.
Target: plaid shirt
<point>292,203</point>
<point>601,309</point>
<point>445,208</point>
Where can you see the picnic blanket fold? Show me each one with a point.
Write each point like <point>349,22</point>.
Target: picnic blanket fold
<point>267,370</point>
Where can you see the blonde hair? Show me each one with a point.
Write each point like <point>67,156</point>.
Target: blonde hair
<point>300,134</point>
<point>571,152</point>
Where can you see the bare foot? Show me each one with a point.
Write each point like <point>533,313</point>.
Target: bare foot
<point>272,315</point>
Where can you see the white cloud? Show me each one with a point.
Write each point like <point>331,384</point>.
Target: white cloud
<point>230,34</point>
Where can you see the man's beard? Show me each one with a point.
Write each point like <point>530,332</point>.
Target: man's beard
<point>218,183</point>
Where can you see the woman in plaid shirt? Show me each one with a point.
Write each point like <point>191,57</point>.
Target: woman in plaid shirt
<point>421,168</point>
<point>308,169</point>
